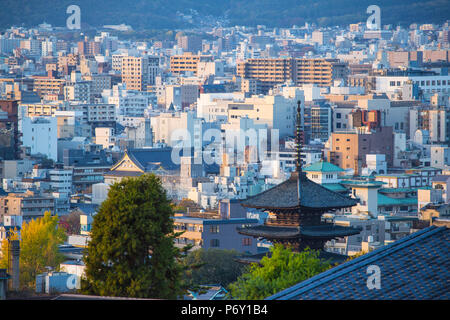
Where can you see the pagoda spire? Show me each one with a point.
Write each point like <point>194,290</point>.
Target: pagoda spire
<point>299,138</point>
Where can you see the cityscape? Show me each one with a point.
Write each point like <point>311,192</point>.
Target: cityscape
<point>206,157</point>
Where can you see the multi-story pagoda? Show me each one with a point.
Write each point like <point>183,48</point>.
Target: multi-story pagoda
<point>295,208</point>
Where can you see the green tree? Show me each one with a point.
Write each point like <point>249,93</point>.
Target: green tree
<point>132,252</point>
<point>39,248</point>
<point>214,266</point>
<point>282,270</point>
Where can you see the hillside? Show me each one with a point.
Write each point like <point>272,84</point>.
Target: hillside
<point>170,14</point>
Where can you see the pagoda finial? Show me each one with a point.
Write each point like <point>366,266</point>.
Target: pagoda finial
<point>299,138</point>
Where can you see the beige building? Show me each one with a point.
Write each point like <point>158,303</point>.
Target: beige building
<point>47,109</point>
<point>348,150</point>
<point>187,62</point>
<point>139,72</point>
<point>44,86</point>
<point>105,137</point>
<point>270,72</point>
<point>28,205</point>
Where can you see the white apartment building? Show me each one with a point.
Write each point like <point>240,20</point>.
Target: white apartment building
<point>129,103</point>
<point>40,135</point>
<point>78,91</point>
<point>429,85</point>
<point>116,64</point>
<point>95,112</point>
<point>440,156</point>
<point>277,112</point>
<point>242,134</point>
<point>213,107</point>
<point>61,180</point>
<point>48,48</point>
<point>208,68</point>
<point>172,128</point>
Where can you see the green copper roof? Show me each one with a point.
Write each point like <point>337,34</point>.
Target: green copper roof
<point>336,187</point>
<point>387,201</point>
<point>323,166</point>
<point>397,190</point>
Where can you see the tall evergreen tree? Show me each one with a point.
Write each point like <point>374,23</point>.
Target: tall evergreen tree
<point>132,252</point>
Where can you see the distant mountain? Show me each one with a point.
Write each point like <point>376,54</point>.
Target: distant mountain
<point>172,14</point>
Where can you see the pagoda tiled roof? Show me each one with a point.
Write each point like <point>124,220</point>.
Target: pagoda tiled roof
<point>286,196</point>
<point>327,231</point>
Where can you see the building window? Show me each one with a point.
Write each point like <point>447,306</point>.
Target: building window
<point>246,242</point>
<point>215,243</point>
<point>214,229</point>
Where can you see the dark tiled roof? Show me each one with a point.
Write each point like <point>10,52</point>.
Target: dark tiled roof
<point>285,195</point>
<point>321,231</point>
<point>415,267</point>
<point>67,296</point>
<point>151,159</point>
<point>146,159</point>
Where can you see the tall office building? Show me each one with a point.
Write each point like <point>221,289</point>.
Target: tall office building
<point>190,43</point>
<point>139,72</point>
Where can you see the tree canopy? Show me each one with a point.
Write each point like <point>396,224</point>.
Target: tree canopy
<point>71,222</point>
<point>39,248</point>
<point>132,252</point>
<point>282,270</point>
<point>214,266</point>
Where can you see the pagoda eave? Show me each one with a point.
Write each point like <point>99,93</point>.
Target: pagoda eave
<point>326,231</point>
<point>271,232</point>
<point>295,209</point>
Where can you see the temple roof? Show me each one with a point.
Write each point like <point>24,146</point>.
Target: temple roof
<point>327,231</point>
<point>412,268</point>
<point>286,196</point>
